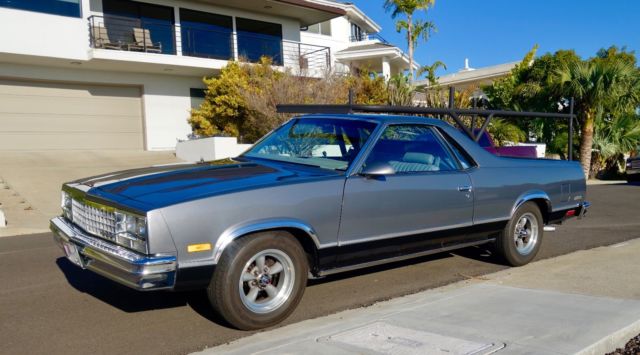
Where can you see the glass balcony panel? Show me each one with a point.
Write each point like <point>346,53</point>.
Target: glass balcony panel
<point>138,26</point>
<point>259,38</point>
<point>69,8</point>
<point>252,47</point>
<point>206,35</point>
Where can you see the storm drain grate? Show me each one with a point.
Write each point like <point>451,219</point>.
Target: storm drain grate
<point>384,338</point>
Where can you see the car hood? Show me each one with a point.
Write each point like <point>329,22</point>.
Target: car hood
<point>160,186</point>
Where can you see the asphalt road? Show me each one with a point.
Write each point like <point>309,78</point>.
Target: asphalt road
<point>49,306</point>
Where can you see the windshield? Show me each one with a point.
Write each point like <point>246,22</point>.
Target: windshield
<point>320,142</point>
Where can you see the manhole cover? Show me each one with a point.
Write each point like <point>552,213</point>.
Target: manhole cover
<point>383,338</point>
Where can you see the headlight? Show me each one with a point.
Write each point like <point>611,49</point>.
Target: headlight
<point>131,231</point>
<point>629,164</point>
<point>66,203</point>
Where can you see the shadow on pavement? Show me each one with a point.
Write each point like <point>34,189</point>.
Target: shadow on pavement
<point>378,268</point>
<point>484,253</point>
<point>132,301</point>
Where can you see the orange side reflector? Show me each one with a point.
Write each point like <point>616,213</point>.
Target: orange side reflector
<point>194,248</point>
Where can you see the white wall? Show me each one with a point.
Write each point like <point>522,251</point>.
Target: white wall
<point>37,34</point>
<point>339,39</point>
<point>166,98</point>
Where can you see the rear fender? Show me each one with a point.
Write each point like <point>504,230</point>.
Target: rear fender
<point>534,195</point>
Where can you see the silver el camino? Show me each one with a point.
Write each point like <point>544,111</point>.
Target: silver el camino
<point>321,194</point>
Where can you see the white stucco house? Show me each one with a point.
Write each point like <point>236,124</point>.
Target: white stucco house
<point>471,78</point>
<point>123,74</point>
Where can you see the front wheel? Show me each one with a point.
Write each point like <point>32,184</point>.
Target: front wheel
<point>520,240</point>
<point>259,280</point>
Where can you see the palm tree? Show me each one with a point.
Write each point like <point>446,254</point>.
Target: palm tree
<point>431,71</point>
<point>593,84</point>
<point>614,138</point>
<point>415,30</point>
<point>400,90</point>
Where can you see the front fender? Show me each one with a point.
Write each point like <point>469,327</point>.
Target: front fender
<point>233,232</point>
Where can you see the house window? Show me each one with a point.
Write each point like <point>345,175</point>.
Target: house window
<point>197,97</point>
<point>259,38</point>
<point>357,34</point>
<point>323,28</point>
<point>206,35</point>
<point>123,19</point>
<point>69,8</point>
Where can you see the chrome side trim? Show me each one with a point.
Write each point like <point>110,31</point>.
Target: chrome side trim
<point>140,272</point>
<point>532,195</point>
<point>404,234</point>
<point>232,233</point>
<point>401,257</point>
<point>491,220</point>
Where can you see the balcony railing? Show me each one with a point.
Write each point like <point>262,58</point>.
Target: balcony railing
<point>131,34</point>
<point>368,37</point>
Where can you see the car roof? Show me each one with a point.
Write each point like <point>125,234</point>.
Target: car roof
<point>380,118</point>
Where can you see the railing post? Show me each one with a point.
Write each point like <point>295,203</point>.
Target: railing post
<point>92,40</point>
<point>234,40</point>
<point>177,31</point>
<point>300,59</point>
<point>570,140</point>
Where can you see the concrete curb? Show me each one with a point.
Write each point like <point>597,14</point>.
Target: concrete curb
<point>612,341</point>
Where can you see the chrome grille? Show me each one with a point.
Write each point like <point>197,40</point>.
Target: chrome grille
<point>94,220</point>
<point>635,164</point>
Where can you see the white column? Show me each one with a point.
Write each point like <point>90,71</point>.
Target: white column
<point>386,68</point>
<point>178,30</point>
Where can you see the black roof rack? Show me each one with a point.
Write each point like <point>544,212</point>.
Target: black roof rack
<point>451,111</point>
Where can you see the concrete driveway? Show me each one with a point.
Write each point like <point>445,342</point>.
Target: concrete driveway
<point>30,181</point>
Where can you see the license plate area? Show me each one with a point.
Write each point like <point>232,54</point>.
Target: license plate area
<point>71,251</point>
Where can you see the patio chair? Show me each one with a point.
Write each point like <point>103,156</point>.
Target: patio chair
<point>143,42</point>
<point>101,38</point>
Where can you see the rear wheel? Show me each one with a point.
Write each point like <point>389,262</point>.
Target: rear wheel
<point>259,280</point>
<point>520,240</point>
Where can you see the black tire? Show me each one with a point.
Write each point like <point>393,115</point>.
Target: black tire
<point>633,177</point>
<point>518,251</point>
<point>224,291</point>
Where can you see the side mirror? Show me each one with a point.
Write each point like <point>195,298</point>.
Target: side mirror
<point>376,170</point>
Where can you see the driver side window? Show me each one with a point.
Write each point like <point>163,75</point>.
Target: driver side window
<point>411,148</point>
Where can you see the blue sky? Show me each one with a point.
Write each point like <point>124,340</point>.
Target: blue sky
<point>498,31</point>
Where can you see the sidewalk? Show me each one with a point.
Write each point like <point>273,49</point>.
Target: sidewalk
<point>587,302</point>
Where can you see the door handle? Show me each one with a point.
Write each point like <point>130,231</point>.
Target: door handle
<point>465,188</point>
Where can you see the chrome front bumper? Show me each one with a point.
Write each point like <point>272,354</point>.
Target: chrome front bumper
<point>116,263</point>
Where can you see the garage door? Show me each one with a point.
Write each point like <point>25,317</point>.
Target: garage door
<point>45,116</point>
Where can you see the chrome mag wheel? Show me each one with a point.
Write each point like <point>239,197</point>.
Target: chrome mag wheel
<point>267,281</point>
<point>526,233</point>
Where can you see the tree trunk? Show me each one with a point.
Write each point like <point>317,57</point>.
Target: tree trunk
<point>586,143</point>
<point>410,40</point>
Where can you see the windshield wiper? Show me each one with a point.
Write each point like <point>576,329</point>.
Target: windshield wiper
<point>285,161</point>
